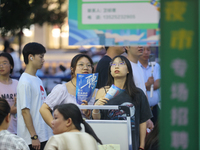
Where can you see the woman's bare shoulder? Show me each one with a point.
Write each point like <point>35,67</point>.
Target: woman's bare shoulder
<point>102,92</point>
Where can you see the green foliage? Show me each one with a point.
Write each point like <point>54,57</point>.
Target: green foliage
<point>18,14</point>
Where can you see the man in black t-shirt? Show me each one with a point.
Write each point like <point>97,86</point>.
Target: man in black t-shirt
<point>103,64</point>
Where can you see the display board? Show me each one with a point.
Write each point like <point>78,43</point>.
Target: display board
<point>179,57</point>
<point>143,30</point>
<point>115,14</point>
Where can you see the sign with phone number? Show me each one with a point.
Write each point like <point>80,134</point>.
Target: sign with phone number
<point>115,14</point>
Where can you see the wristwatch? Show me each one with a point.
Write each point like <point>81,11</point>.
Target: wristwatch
<point>35,137</point>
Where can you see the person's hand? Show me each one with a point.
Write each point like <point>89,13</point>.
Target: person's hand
<point>86,112</point>
<point>13,107</point>
<point>36,144</point>
<point>15,101</point>
<point>150,124</point>
<point>150,80</point>
<point>102,101</point>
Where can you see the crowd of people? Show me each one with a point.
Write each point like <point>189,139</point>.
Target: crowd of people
<point>39,121</point>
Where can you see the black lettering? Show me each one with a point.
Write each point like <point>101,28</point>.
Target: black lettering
<point>11,96</point>
<point>3,96</point>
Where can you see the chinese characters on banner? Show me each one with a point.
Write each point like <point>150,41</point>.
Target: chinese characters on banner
<point>179,74</point>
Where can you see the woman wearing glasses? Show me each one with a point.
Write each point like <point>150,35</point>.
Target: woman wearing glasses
<point>120,74</point>
<point>66,93</point>
<point>8,88</point>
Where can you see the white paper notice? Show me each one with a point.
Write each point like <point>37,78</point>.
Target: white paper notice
<point>119,13</point>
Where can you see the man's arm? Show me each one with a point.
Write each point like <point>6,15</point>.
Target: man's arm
<point>29,124</point>
<point>157,77</point>
<point>149,82</point>
<point>142,134</point>
<point>45,112</point>
<point>156,84</point>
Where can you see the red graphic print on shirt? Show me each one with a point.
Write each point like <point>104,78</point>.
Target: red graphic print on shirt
<point>41,88</point>
<point>43,93</point>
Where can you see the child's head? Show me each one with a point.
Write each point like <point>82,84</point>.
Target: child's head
<point>32,48</point>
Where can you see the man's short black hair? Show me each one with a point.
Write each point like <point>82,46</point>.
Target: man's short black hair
<point>32,48</point>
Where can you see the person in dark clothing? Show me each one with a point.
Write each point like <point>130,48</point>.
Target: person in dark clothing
<point>103,64</point>
<point>120,74</point>
<point>6,44</point>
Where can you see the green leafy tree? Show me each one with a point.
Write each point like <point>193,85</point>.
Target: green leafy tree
<point>18,14</point>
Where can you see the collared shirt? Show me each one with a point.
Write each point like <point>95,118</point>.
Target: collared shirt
<point>9,141</point>
<point>156,74</point>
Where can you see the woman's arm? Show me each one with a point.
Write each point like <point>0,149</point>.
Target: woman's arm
<point>143,128</point>
<point>101,101</point>
<point>86,112</point>
<point>45,112</point>
<point>96,114</point>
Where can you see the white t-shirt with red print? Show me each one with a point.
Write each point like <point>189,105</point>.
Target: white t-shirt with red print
<point>31,94</point>
<point>8,92</point>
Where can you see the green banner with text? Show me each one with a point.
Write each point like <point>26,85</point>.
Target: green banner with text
<point>179,128</point>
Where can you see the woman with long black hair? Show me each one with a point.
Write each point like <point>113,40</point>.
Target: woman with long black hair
<point>120,74</point>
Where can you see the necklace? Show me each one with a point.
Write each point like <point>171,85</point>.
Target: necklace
<point>73,83</point>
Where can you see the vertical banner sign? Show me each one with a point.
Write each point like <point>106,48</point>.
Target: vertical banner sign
<point>179,74</point>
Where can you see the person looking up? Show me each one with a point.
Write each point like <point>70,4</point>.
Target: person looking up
<point>103,64</point>
<point>120,74</point>
<point>133,55</point>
